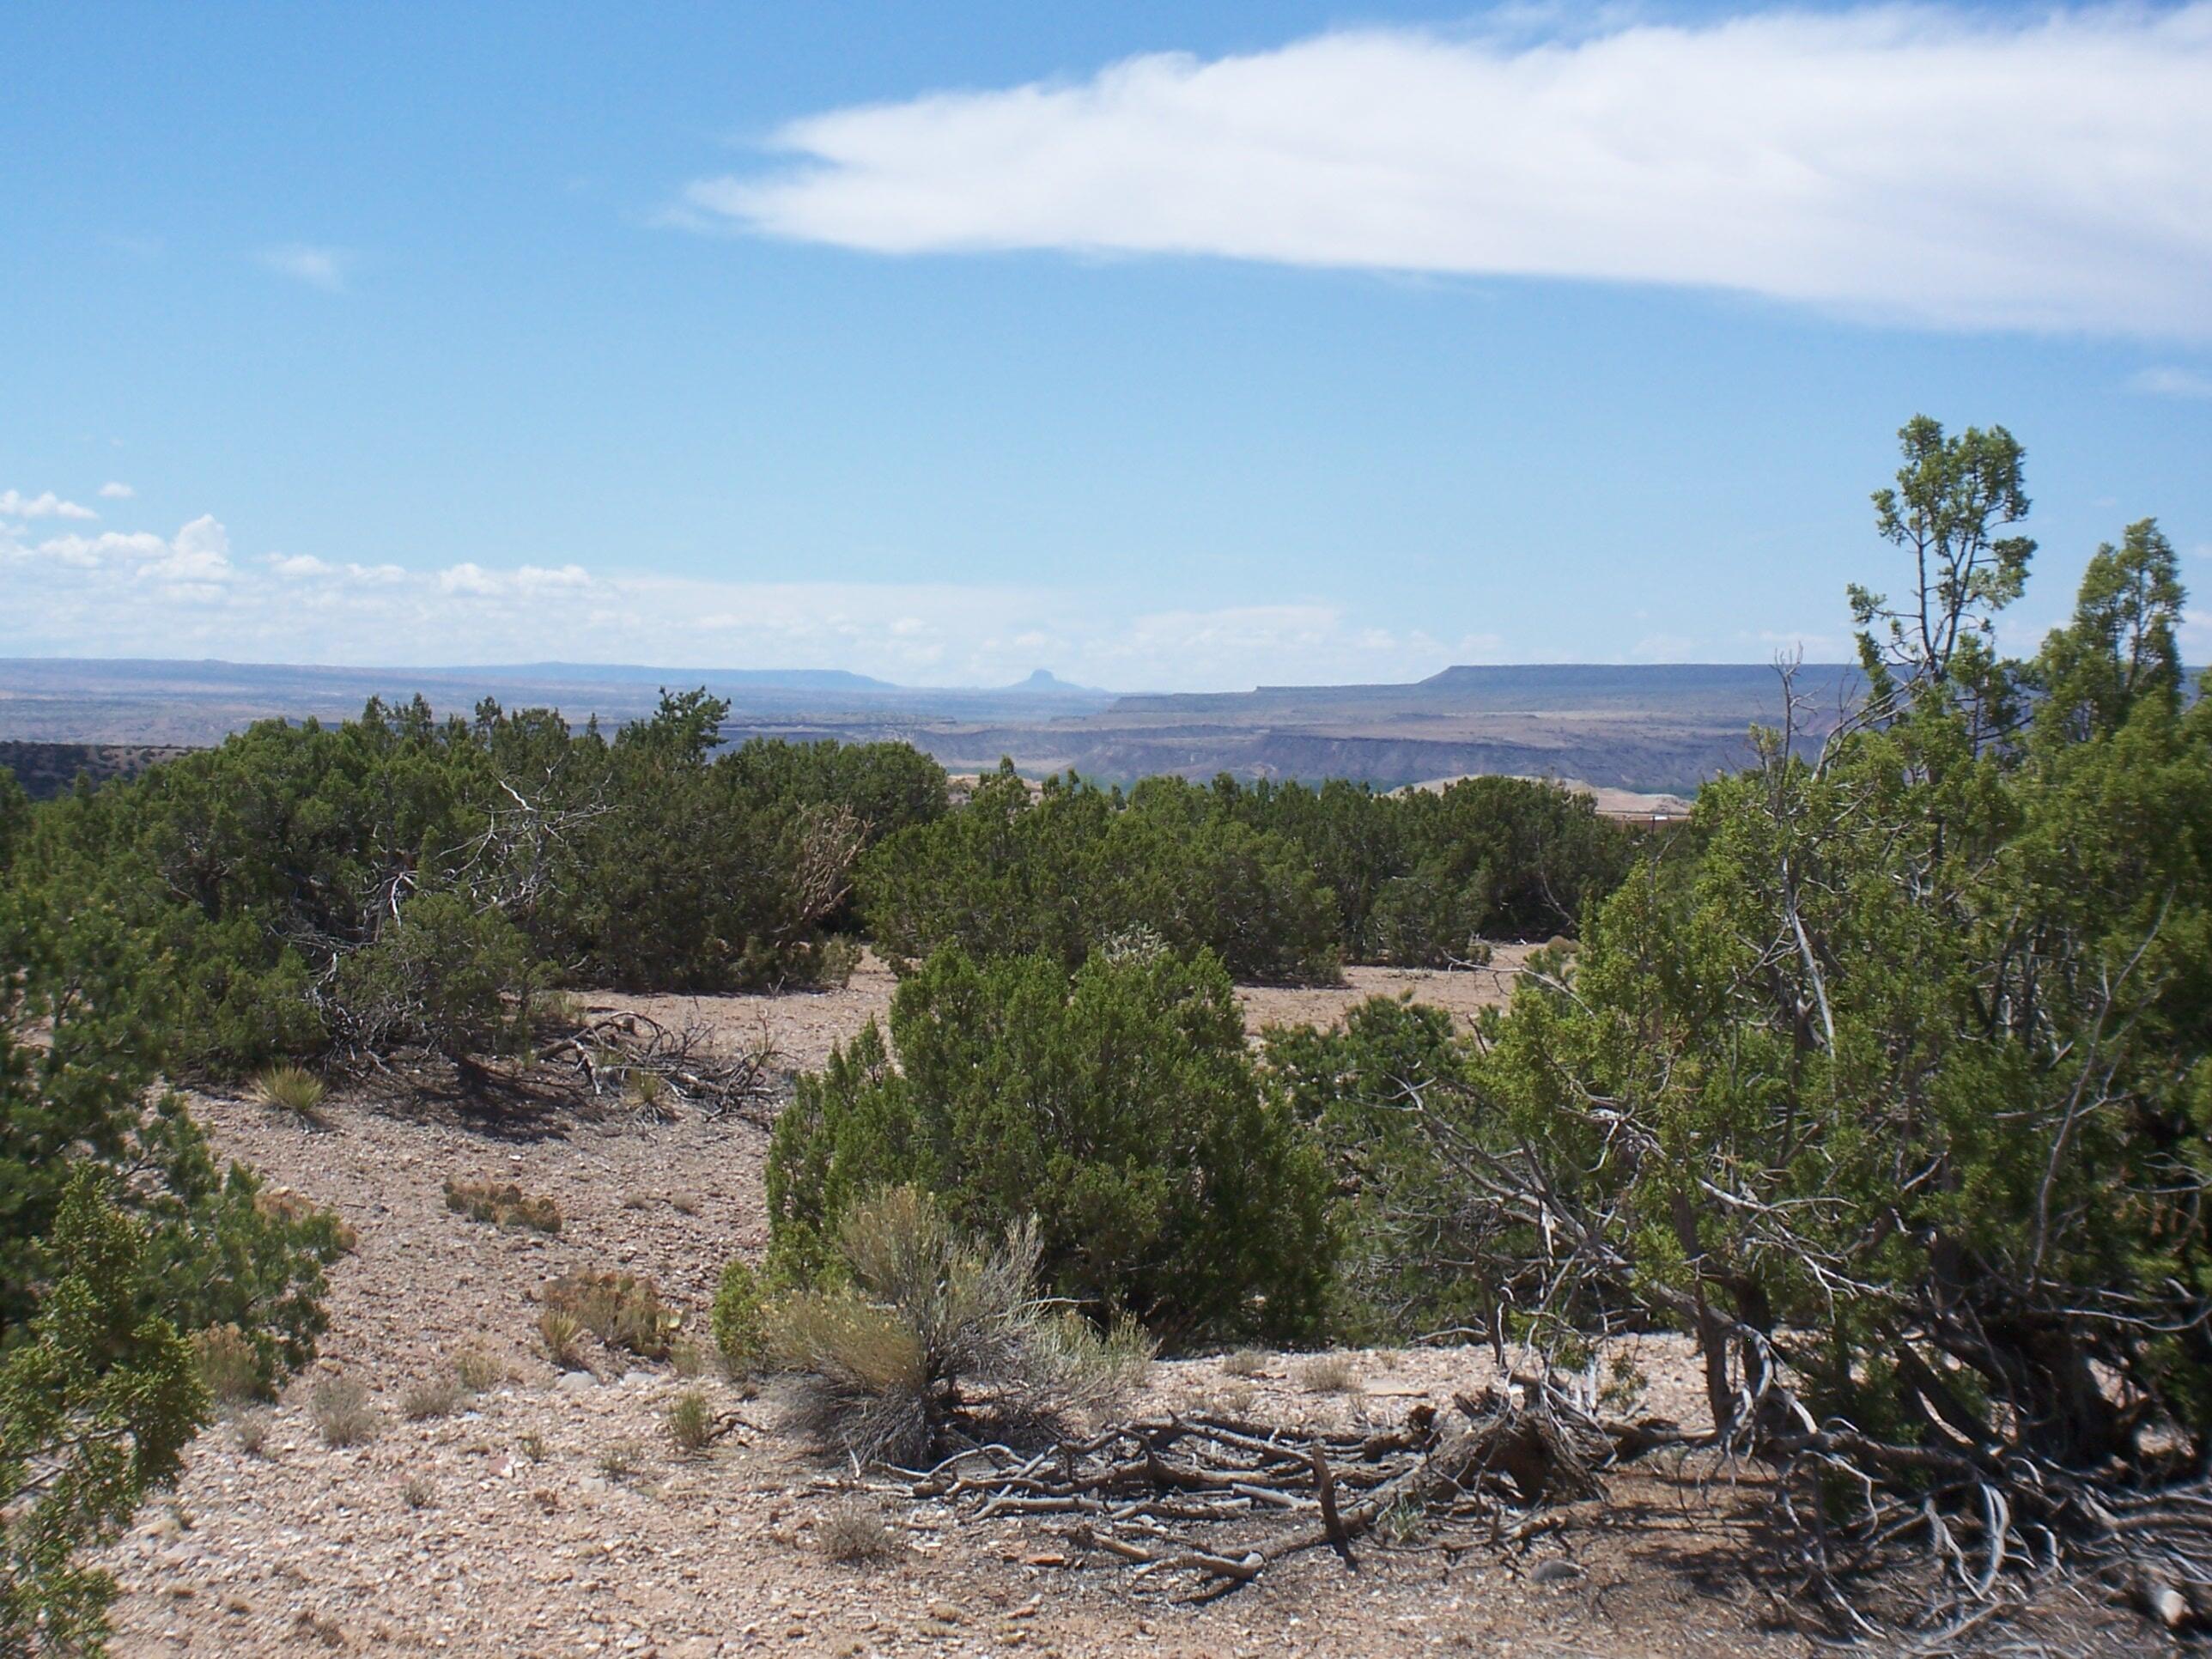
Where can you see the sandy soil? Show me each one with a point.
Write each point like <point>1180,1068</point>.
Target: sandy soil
<point>802,1026</point>
<point>554,1515</point>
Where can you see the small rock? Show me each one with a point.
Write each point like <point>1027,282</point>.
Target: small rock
<point>577,1382</point>
<point>1555,1572</point>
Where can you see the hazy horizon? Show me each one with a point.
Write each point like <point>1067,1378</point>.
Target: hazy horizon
<point>1202,346</point>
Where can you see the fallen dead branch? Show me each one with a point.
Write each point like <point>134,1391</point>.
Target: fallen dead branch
<point>653,1066</point>
<point>1220,1498</point>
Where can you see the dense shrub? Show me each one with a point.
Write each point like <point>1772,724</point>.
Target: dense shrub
<point>1074,866</point>
<point>121,1241</point>
<point>1117,1104</point>
<point>1281,883</point>
<point>401,880</point>
<point>1388,1095</point>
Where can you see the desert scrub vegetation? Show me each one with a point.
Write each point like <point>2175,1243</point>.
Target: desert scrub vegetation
<point>924,1332</point>
<point>123,1240</point>
<point>561,1335</point>
<point>1330,1373</point>
<point>739,1319</point>
<point>690,1423</point>
<point>855,1533</point>
<point>292,1089</point>
<point>503,1204</point>
<point>1280,881</point>
<point>341,1412</point>
<point>284,875</point>
<point>1117,1104</point>
<point>229,1366</point>
<point>622,1309</point>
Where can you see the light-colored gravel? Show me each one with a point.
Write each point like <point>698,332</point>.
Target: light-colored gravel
<point>554,1515</point>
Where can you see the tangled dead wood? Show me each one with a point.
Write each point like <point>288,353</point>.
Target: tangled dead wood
<point>1178,1495</point>
<point>653,1066</point>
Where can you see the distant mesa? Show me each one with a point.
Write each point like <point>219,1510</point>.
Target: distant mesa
<point>1648,730</point>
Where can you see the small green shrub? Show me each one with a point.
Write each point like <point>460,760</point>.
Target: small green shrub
<point>478,1370</point>
<point>690,1422</point>
<point>1118,1105</point>
<point>739,1319</point>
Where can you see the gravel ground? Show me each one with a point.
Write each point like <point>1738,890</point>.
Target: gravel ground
<point>552,1515</point>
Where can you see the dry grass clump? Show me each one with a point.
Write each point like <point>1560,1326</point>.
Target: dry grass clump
<point>856,1533</point>
<point>1235,1399</point>
<point>532,1446</point>
<point>417,1493</point>
<point>502,1204</point>
<point>251,1429</point>
<point>1245,1362</point>
<point>933,1331</point>
<point>1330,1373</point>
<point>341,1412</point>
<point>562,1333</point>
<point>478,1371</point>
<point>624,1310</point>
<point>430,1400</point>
<point>619,1460</point>
<point>229,1366</point>
<point>690,1423</point>
<point>292,1088</point>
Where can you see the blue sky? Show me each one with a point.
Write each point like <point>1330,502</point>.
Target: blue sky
<point>945,343</point>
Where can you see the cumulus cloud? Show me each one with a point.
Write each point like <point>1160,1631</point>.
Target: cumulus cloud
<point>1947,167</point>
<point>318,267</point>
<point>14,504</point>
<point>2171,382</point>
<point>113,491</point>
<point>199,555</point>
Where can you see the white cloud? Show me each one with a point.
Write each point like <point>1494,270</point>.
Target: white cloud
<point>14,504</point>
<point>116,492</point>
<point>467,578</point>
<point>1948,168</point>
<point>318,267</point>
<point>2171,382</point>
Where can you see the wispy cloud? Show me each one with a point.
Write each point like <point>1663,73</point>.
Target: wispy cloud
<point>116,492</point>
<point>318,267</point>
<point>145,592</point>
<point>2170,382</point>
<point>1945,167</point>
<point>14,504</point>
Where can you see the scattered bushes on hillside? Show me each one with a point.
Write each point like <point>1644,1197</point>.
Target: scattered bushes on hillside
<point>1117,1104</point>
<point>1281,883</point>
<point>921,1329</point>
<point>1063,873</point>
<point>398,880</point>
